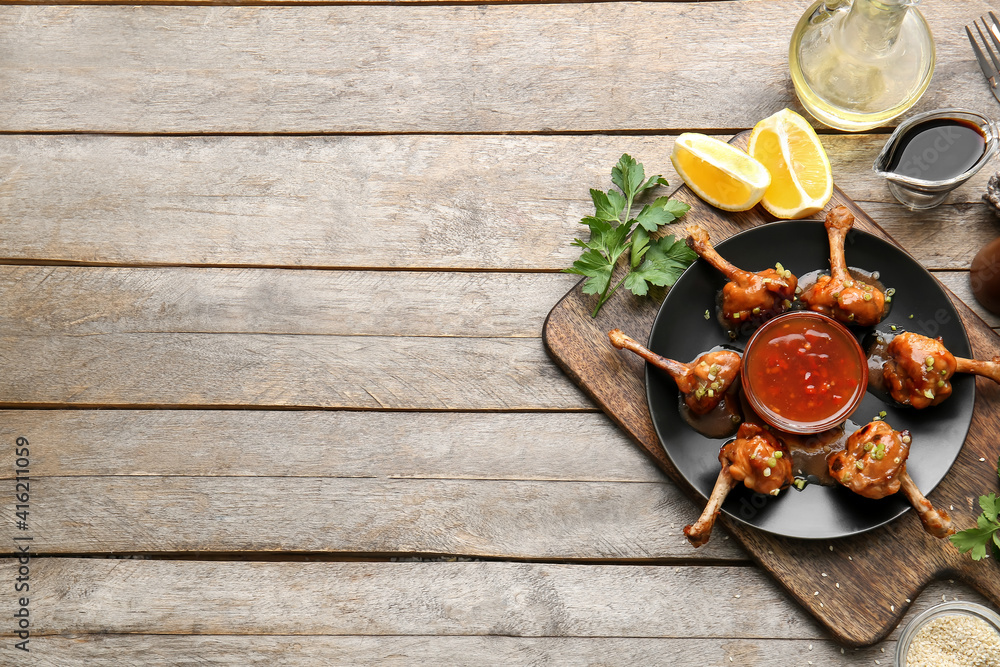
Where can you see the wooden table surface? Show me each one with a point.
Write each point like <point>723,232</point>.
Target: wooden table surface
<point>272,285</point>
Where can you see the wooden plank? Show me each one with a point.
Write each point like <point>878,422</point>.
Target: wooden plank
<point>575,67</point>
<point>481,518</point>
<point>93,300</point>
<point>264,650</point>
<point>571,447</point>
<point>357,482</point>
<point>467,599</point>
<point>372,201</point>
<point>90,300</point>
<point>283,371</point>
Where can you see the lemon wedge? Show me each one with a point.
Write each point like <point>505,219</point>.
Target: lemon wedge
<point>801,179</point>
<point>719,173</point>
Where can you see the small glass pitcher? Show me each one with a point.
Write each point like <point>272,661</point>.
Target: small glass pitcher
<point>857,64</point>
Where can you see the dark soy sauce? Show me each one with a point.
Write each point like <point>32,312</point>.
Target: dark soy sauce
<point>938,149</point>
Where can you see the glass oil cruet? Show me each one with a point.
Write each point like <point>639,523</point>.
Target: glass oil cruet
<point>857,64</point>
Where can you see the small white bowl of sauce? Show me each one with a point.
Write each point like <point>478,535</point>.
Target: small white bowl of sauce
<point>932,153</point>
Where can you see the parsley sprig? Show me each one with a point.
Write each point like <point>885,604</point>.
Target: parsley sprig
<point>978,540</point>
<point>613,233</point>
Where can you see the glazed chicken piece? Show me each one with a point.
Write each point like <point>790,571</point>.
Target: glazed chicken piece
<point>704,382</point>
<point>747,296</point>
<point>918,370</point>
<point>839,295</point>
<point>873,465</point>
<point>756,458</point>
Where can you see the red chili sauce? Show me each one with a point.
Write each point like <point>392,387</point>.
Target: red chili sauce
<point>803,372</point>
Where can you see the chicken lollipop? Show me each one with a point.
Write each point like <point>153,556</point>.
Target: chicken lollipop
<point>703,383</point>
<point>918,370</point>
<point>747,297</point>
<point>873,465</point>
<point>756,458</point>
<point>839,294</point>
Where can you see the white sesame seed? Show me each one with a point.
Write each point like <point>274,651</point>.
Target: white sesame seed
<point>908,600</point>
<point>816,593</point>
<point>883,650</point>
<point>877,662</point>
<point>831,547</point>
<point>730,658</point>
<point>951,581</point>
<point>892,607</point>
<point>952,508</point>
<point>982,459</point>
<point>824,574</point>
<point>841,651</point>
<point>942,599</point>
<point>820,604</point>
<point>838,584</point>
<point>810,647</point>
<point>737,595</point>
<point>851,558</point>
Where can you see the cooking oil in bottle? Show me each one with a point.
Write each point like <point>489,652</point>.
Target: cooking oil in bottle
<point>856,64</point>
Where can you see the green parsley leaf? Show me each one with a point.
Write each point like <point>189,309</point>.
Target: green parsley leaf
<point>605,209</point>
<point>597,268</point>
<point>664,262</point>
<point>672,206</point>
<point>613,232</point>
<point>640,244</point>
<point>628,175</point>
<point>990,506</point>
<point>978,541</point>
<point>974,540</point>
<point>652,218</point>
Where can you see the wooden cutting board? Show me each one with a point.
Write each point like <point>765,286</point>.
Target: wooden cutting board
<point>878,570</point>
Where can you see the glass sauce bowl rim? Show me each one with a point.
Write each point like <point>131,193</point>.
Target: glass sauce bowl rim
<point>788,426</point>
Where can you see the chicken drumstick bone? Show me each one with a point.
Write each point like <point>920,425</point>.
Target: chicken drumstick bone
<point>747,296</point>
<point>704,382</point>
<point>918,369</point>
<point>873,465</point>
<point>756,458</point>
<point>839,295</point>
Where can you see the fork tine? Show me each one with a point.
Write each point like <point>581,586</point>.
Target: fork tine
<point>980,56</point>
<point>986,43</point>
<point>993,30</point>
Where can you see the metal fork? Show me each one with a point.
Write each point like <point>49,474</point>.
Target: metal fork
<point>992,73</point>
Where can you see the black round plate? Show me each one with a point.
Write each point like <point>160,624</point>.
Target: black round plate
<point>920,305</point>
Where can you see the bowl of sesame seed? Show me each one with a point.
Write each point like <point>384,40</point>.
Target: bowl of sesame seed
<point>960,634</point>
